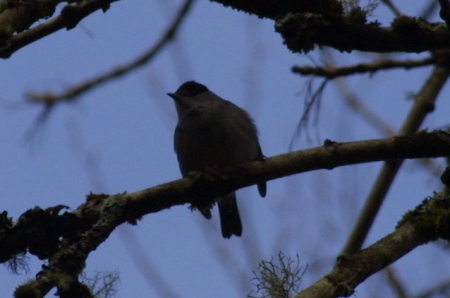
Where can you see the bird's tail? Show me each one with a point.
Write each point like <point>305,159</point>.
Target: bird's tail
<point>230,221</point>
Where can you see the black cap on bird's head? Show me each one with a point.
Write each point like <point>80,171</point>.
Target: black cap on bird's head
<point>191,88</point>
<point>186,96</point>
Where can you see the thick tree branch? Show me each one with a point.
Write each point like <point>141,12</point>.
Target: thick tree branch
<point>202,186</point>
<point>16,238</point>
<point>304,24</point>
<point>301,32</point>
<point>98,217</point>
<point>17,16</point>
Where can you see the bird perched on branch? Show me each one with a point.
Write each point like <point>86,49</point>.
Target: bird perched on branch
<point>214,133</point>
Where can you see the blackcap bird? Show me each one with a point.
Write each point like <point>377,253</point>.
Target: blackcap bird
<point>214,133</point>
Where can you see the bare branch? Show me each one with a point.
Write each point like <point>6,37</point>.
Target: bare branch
<point>99,216</point>
<point>395,283</point>
<point>392,7</point>
<point>70,16</point>
<point>423,105</point>
<point>355,103</point>
<point>201,186</point>
<point>332,72</point>
<point>50,98</point>
<point>442,288</point>
<point>418,227</point>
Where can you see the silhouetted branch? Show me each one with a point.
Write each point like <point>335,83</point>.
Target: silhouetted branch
<point>332,72</point>
<point>206,185</point>
<point>51,98</point>
<point>69,17</point>
<point>273,8</point>
<point>423,105</point>
<point>444,13</point>
<point>424,224</point>
<point>83,230</point>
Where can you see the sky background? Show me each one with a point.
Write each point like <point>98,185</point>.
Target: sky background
<point>119,137</point>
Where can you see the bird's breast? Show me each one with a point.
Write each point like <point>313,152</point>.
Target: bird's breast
<point>205,144</point>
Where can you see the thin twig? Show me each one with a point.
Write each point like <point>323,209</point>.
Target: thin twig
<point>332,72</point>
<point>443,288</point>
<point>110,211</point>
<point>395,282</point>
<point>51,98</point>
<point>392,7</point>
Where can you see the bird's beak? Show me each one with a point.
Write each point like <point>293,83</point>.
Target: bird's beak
<point>175,96</point>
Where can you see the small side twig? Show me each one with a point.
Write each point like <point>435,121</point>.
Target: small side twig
<point>312,101</point>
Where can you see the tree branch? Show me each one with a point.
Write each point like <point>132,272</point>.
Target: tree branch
<point>332,72</point>
<point>301,32</point>
<point>423,104</point>
<point>273,8</point>
<point>304,24</point>
<point>70,16</point>
<point>100,214</point>
<point>49,98</point>
<point>444,13</point>
<point>428,222</point>
<point>392,7</point>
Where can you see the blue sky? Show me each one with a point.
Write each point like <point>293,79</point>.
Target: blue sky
<point>120,138</point>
